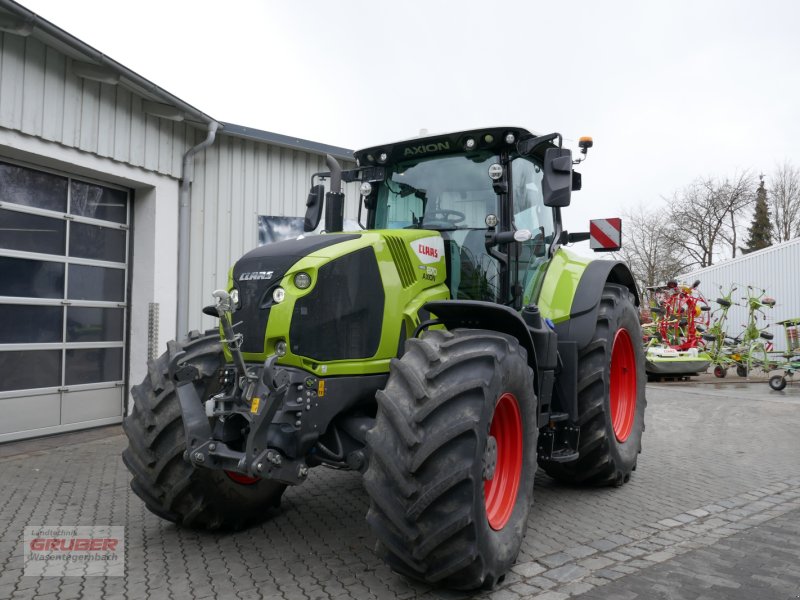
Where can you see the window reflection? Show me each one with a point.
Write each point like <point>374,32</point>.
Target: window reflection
<point>96,283</point>
<point>24,369</point>
<point>100,243</point>
<point>93,366</point>
<point>32,188</point>
<point>88,324</point>
<point>32,233</point>
<point>31,278</point>
<point>21,324</point>
<point>98,202</point>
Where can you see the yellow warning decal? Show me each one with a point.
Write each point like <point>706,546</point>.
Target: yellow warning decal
<point>254,403</point>
<point>321,391</point>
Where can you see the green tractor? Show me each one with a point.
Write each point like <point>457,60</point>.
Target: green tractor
<point>445,351</point>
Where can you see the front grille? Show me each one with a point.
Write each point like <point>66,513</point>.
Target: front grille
<point>342,317</point>
<point>255,298</point>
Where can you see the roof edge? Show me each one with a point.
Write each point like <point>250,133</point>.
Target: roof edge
<point>48,28</point>
<point>286,141</point>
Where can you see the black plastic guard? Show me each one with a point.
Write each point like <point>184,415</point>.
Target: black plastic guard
<point>476,314</point>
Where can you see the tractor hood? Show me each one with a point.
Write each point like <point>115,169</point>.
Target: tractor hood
<point>259,272</point>
<point>323,299</point>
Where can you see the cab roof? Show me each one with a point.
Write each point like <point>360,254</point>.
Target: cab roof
<point>486,138</point>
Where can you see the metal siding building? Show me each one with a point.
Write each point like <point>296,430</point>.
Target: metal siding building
<point>775,269</point>
<point>103,227</point>
<point>42,95</point>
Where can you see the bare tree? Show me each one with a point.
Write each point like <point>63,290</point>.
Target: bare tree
<point>736,194</point>
<point>648,248</point>
<point>784,202</point>
<point>696,222</point>
<point>705,215</point>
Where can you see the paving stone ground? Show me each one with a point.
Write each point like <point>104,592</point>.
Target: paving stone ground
<point>711,512</point>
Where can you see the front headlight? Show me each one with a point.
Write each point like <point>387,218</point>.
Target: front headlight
<point>302,280</point>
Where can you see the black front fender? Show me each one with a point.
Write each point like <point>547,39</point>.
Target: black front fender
<point>475,314</point>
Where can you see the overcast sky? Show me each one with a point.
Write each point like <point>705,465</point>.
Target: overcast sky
<point>670,91</point>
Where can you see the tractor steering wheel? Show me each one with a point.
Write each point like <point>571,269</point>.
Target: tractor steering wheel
<point>443,215</point>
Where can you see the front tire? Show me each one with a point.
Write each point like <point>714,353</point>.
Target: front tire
<point>611,397</point>
<point>452,458</point>
<point>169,486</point>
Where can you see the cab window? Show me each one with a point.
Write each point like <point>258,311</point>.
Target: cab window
<point>530,213</point>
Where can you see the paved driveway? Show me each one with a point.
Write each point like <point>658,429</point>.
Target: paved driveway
<point>720,470</point>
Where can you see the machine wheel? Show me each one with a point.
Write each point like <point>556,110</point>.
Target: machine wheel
<point>777,382</point>
<point>741,370</point>
<point>453,457</point>
<point>171,487</point>
<point>611,397</point>
<point>720,372</point>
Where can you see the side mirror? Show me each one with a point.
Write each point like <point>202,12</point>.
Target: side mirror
<point>314,207</point>
<point>557,179</point>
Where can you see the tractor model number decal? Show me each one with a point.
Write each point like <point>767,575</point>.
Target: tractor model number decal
<point>426,148</point>
<point>430,272</point>
<point>428,250</point>
<point>255,275</point>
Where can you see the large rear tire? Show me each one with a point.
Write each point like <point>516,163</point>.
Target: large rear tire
<point>611,397</point>
<point>170,487</point>
<point>453,457</point>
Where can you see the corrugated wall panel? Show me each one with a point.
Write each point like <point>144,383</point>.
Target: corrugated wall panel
<point>11,75</point>
<point>41,96</point>
<point>137,149</point>
<point>33,105</point>
<point>122,125</point>
<point>73,91</point>
<point>237,181</point>
<point>90,116</point>
<point>151,143</point>
<point>167,135</point>
<point>106,120</point>
<point>775,269</point>
<point>53,117</point>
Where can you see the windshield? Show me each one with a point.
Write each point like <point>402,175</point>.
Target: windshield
<point>452,192</point>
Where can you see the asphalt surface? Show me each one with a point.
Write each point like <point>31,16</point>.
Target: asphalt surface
<point>711,512</point>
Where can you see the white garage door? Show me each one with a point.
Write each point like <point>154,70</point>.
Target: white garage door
<point>63,301</point>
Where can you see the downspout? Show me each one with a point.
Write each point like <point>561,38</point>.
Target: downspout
<point>184,228</point>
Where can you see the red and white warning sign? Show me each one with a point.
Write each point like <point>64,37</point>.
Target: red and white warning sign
<point>605,234</point>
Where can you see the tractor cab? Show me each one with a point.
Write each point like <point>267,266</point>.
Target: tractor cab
<point>484,192</point>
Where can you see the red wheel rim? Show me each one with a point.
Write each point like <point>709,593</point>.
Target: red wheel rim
<point>500,492</point>
<point>622,387</point>
<point>241,479</point>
